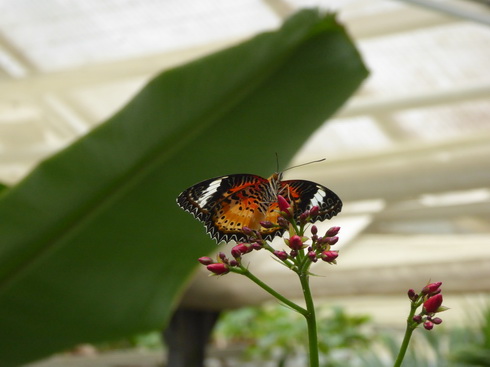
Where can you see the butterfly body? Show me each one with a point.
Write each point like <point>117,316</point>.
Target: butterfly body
<point>226,204</point>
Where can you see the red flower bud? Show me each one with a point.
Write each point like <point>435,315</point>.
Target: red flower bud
<point>283,223</point>
<point>240,249</point>
<point>205,260</point>
<point>432,288</point>
<point>417,319</point>
<point>234,263</point>
<point>314,229</point>
<point>304,216</point>
<point>218,268</point>
<point>314,211</point>
<point>247,231</point>
<point>332,240</point>
<point>223,257</point>
<point>433,303</point>
<point>411,294</point>
<point>283,204</point>
<point>257,246</point>
<point>333,231</point>
<point>267,224</point>
<point>281,255</point>
<point>312,256</point>
<point>437,320</point>
<point>329,256</point>
<point>428,325</point>
<point>295,242</point>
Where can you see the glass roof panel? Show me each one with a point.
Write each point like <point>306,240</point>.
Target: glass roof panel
<point>55,34</point>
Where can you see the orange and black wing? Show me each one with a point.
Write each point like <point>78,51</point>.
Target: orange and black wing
<point>228,203</point>
<point>306,194</point>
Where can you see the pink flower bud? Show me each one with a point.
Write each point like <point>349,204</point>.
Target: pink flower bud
<point>428,325</point>
<point>205,260</point>
<point>234,263</point>
<point>314,229</point>
<point>437,320</point>
<point>333,231</point>
<point>295,242</point>
<point>223,257</point>
<point>411,294</point>
<point>240,249</point>
<point>312,256</point>
<point>281,255</point>
<point>257,246</point>
<point>283,223</point>
<point>267,224</point>
<point>283,204</point>
<point>432,288</point>
<point>417,319</point>
<point>314,211</point>
<point>304,216</point>
<point>332,240</point>
<point>433,303</point>
<point>247,231</point>
<point>218,268</point>
<point>329,256</point>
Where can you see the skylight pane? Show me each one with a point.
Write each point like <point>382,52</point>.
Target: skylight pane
<point>55,34</point>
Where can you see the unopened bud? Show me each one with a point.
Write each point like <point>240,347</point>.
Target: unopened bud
<point>283,204</point>
<point>247,231</point>
<point>314,211</point>
<point>312,255</point>
<point>205,260</point>
<point>411,294</point>
<point>433,303</point>
<point>332,231</point>
<point>281,255</point>
<point>267,224</point>
<point>295,242</point>
<point>437,320</point>
<point>432,288</point>
<point>329,256</point>
<point>218,268</point>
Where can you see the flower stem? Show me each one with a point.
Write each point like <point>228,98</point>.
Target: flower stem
<point>310,321</point>
<point>411,326</point>
<point>271,291</point>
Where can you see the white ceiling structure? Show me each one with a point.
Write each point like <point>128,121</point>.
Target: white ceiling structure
<point>409,154</point>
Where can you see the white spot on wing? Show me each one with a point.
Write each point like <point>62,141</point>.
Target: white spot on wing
<point>210,190</point>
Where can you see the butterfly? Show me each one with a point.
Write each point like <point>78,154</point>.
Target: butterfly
<point>226,204</point>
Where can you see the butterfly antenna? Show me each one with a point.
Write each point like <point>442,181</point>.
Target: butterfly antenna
<point>304,164</point>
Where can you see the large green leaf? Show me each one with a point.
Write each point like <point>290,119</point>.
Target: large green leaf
<point>93,246</point>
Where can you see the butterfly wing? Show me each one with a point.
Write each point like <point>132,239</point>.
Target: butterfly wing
<point>306,194</point>
<point>226,204</point>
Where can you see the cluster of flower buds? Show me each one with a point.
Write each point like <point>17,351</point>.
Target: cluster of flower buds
<point>311,248</point>
<point>318,248</point>
<point>431,299</point>
<point>223,264</point>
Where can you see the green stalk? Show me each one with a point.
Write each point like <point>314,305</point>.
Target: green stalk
<point>310,321</point>
<point>411,326</point>
<point>271,291</point>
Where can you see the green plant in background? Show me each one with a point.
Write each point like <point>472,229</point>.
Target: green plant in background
<point>89,239</point>
<point>463,346</point>
<point>275,332</point>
